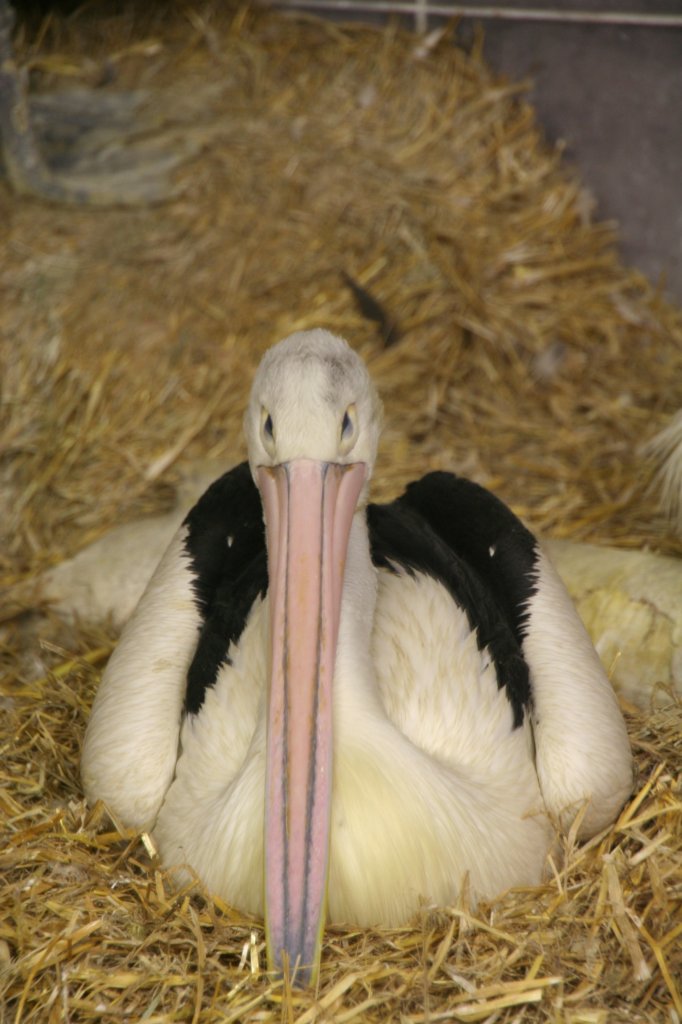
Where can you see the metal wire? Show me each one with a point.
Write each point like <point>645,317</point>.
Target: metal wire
<point>421,10</point>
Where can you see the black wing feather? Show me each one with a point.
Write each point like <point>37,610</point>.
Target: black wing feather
<point>442,525</point>
<point>226,546</point>
<point>465,537</point>
<point>482,530</point>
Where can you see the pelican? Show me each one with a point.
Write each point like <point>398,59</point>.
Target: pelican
<point>330,710</point>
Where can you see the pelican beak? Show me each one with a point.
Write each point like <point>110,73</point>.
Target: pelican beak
<point>309,508</point>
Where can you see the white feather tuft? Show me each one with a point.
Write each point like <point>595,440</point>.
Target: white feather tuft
<point>666,449</point>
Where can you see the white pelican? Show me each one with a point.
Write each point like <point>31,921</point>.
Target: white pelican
<point>357,707</point>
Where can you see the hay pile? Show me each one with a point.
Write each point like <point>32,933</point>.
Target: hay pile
<point>528,359</point>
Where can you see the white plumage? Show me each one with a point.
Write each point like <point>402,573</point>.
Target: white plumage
<point>434,778</point>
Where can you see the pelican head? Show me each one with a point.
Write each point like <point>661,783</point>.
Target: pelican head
<point>312,429</point>
<point>312,398</point>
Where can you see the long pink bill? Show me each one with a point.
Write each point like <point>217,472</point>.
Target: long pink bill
<point>309,508</point>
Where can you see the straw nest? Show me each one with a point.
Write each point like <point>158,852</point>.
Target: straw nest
<point>527,358</point>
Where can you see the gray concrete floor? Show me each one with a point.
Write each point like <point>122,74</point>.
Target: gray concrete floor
<point>614,95</point>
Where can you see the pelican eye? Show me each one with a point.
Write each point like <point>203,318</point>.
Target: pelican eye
<point>349,429</point>
<point>267,431</point>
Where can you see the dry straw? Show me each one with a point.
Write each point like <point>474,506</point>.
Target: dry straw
<point>528,358</point>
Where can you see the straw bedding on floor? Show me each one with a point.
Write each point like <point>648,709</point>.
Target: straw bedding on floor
<point>523,355</point>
